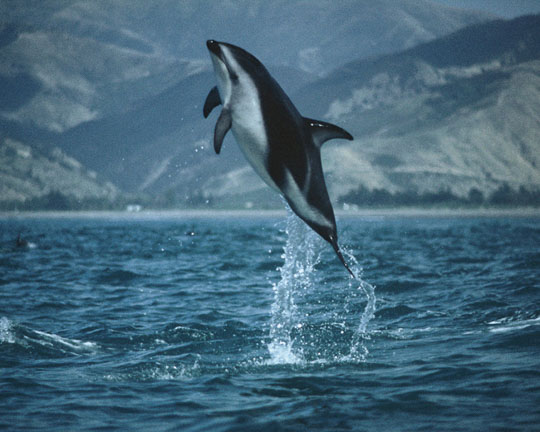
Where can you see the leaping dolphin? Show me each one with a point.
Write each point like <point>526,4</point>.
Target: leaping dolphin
<point>282,146</point>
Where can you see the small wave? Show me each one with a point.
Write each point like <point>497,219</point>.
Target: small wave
<point>401,333</point>
<point>397,311</point>
<point>514,333</point>
<point>505,325</point>
<point>72,345</point>
<point>116,277</point>
<point>182,333</point>
<point>27,338</point>
<point>156,371</point>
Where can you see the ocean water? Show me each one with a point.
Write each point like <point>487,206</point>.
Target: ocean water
<point>222,323</point>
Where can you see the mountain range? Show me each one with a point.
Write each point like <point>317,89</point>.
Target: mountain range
<point>458,113</point>
<point>437,98</point>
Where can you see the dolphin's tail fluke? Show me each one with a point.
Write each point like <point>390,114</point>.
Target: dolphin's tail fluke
<point>335,245</point>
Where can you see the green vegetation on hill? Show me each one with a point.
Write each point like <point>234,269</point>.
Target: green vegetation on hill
<point>504,196</point>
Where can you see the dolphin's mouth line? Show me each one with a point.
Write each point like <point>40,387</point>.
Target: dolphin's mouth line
<point>215,49</point>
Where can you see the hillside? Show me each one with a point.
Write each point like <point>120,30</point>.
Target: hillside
<point>48,178</point>
<point>118,86</point>
<point>437,109</point>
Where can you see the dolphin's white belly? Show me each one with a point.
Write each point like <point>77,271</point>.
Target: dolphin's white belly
<point>250,134</point>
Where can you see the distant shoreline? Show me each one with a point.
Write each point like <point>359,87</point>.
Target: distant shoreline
<point>217,213</point>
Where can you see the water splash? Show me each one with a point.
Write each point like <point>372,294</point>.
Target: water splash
<point>6,333</point>
<point>300,257</point>
<point>358,349</point>
<point>290,335</point>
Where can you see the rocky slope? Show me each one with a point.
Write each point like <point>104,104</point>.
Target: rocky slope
<point>36,177</point>
<point>458,113</point>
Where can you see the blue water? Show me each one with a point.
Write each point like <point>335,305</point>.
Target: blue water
<point>238,323</point>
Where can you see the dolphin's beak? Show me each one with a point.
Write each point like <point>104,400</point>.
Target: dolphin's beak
<point>216,53</point>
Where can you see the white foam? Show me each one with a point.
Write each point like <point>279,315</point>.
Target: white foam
<point>505,325</point>
<point>73,344</point>
<point>6,335</point>
<point>281,352</point>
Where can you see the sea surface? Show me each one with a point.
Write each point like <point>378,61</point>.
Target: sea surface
<point>250,323</point>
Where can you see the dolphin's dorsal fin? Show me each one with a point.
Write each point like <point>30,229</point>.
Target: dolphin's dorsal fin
<point>322,131</point>
<point>223,125</point>
<point>212,100</point>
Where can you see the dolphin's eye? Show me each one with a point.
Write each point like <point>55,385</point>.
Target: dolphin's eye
<point>234,78</point>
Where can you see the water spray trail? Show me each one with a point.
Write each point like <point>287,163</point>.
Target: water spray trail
<point>301,255</point>
<point>300,258</point>
<point>357,348</point>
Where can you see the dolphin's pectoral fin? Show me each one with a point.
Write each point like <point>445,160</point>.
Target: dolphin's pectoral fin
<point>223,125</point>
<point>322,131</point>
<point>212,100</point>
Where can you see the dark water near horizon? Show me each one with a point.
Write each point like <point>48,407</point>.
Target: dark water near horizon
<point>243,324</point>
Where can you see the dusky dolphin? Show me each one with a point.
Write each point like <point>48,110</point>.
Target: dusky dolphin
<point>282,146</point>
